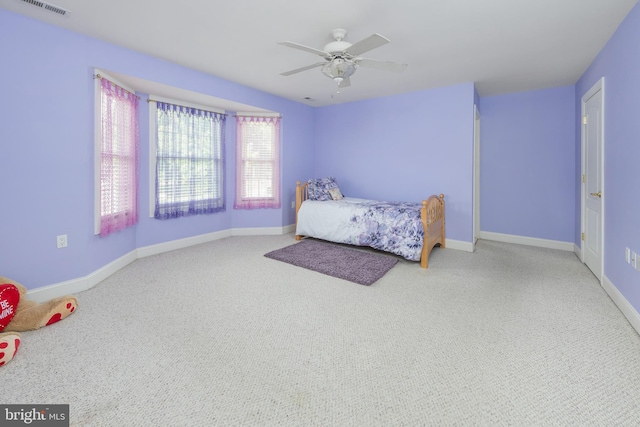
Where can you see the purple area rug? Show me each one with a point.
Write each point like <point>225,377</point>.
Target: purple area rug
<point>351,264</point>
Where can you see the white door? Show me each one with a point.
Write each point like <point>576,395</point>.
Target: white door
<point>592,146</point>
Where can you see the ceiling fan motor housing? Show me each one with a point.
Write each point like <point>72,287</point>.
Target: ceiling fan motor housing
<point>339,45</point>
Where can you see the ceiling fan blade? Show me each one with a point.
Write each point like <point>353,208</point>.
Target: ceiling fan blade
<point>345,82</point>
<point>299,70</point>
<point>365,45</point>
<point>305,48</point>
<point>381,65</point>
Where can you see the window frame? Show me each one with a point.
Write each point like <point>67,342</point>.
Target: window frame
<point>241,202</point>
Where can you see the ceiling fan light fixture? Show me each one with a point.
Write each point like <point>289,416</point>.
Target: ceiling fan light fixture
<point>339,69</point>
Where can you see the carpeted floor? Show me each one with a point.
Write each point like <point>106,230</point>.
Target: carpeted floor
<point>217,334</point>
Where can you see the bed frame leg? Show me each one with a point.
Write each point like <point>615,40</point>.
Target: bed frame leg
<point>442,236</point>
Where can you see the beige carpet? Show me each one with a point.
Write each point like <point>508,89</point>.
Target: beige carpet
<point>217,334</point>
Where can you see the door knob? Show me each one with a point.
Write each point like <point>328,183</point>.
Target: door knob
<point>598,194</point>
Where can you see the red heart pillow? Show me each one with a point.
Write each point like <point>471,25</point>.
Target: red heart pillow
<point>9,299</point>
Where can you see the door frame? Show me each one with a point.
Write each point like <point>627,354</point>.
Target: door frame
<point>598,86</point>
<point>476,174</point>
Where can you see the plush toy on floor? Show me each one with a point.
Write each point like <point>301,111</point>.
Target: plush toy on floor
<point>18,314</point>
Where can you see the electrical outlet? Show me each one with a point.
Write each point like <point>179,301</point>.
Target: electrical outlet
<point>62,241</point>
<point>634,260</point>
<point>627,255</point>
<point>293,205</point>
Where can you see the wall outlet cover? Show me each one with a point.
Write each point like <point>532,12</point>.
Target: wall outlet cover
<point>61,241</point>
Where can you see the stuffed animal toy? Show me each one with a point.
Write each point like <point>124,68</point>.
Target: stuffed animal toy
<point>18,314</point>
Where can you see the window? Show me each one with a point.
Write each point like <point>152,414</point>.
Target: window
<point>117,143</point>
<point>257,162</point>
<point>189,161</point>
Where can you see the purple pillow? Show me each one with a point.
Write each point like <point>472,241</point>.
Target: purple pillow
<point>319,188</point>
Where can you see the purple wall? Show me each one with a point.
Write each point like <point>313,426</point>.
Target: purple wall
<point>403,147</point>
<point>527,164</point>
<point>46,144</point>
<point>619,64</point>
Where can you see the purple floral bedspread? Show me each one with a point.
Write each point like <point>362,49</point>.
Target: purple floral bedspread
<point>393,227</point>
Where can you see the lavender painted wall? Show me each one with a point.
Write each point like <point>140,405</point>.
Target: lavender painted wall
<point>527,164</point>
<point>46,144</point>
<point>403,147</point>
<point>619,64</point>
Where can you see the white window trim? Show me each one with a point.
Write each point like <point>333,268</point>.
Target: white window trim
<point>97,127</point>
<point>153,140</point>
<point>258,114</point>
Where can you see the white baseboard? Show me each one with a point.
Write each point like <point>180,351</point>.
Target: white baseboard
<point>578,251</point>
<point>529,241</point>
<point>289,229</point>
<point>80,284</point>
<point>623,304</point>
<point>264,231</point>
<point>181,243</point>
<point>45,293</point>
<point>459,245</point>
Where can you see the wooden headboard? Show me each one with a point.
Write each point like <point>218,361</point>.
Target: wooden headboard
<point>302,194</point>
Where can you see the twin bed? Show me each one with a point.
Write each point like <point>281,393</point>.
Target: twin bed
<point>410,230</point>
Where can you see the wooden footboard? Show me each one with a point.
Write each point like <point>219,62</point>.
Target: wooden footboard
<point>432,215</point>
<point>302,194</point>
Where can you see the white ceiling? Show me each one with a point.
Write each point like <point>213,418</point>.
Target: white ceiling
<point>503,46</point>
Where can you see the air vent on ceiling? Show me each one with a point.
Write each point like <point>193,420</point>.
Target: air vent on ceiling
<point>48,6</point>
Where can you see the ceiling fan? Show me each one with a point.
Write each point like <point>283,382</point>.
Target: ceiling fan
<point>341,58</point>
